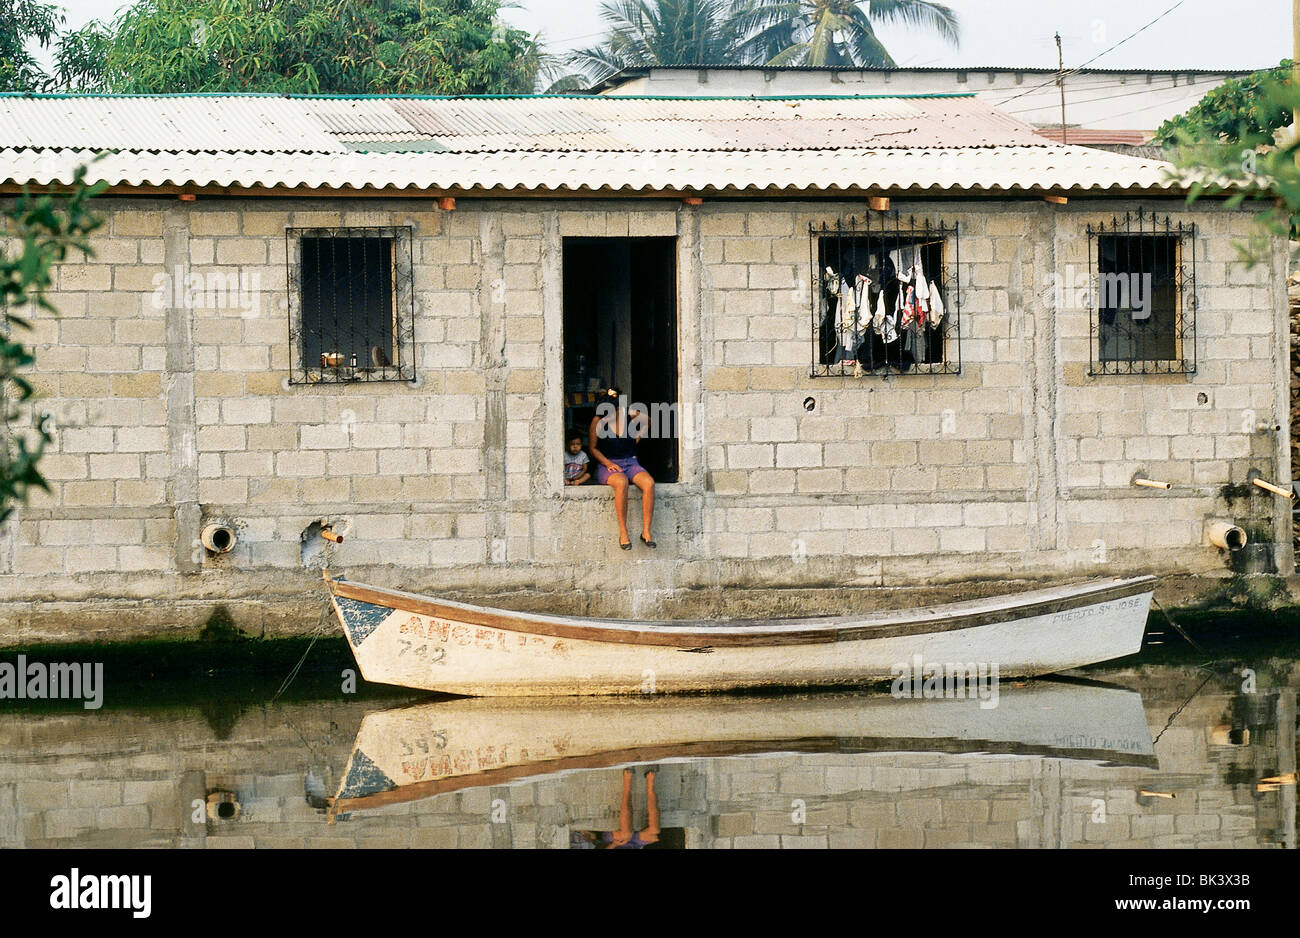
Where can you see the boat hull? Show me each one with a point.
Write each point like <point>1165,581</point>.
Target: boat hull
<point>409,753</point>
<point>418,642</point>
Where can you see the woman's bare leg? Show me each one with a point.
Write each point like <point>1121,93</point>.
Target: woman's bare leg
<point>651,833</point>
<point>618,482</point>
<point>624,832</point>
<point>646,484</point>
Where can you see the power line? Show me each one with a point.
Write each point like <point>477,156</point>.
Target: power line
<point>1105,97</point>
<point>1134,111</point>
<point>1061,76</point>
<point>1079,87</point>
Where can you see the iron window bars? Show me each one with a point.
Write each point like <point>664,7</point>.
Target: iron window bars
<point>1142,281</point>
<point>351,305</point>
<point>862,321</point>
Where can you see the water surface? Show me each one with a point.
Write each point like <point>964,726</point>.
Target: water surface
<point>1167,750</point>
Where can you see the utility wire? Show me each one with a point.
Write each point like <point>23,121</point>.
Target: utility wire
<point>1206,85</point>
<point>1105,97</point>
<point>1062,75</point>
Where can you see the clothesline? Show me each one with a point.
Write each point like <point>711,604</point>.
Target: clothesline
<point>910,244</point>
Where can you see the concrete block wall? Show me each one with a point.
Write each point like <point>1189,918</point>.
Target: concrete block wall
<point>172,411</point>
<point>1023,453</point>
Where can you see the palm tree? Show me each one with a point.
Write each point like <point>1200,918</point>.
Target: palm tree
<point>658,32</point>
<point>830,32</point>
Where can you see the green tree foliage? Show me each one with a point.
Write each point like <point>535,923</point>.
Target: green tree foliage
<point>655,32</point>
<point>748,32</point>
<point>1238,142</point>
<point>39,233</point>
<point>1236,110</point>
<point>23,22</point>
<point>831,32</point>
<point>302,46</point>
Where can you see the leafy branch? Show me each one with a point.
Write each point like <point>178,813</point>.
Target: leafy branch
<point>40,232</point>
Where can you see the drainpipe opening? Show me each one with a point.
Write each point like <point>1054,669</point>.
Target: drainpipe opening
<point>218,538</point>
<point>1226,536</point>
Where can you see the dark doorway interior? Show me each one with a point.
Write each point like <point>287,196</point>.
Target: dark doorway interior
<point>620,327</point>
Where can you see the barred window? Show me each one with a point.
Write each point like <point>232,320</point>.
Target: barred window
<point>1143,277</point>
<point>351,305</point>
<point>885,297</point>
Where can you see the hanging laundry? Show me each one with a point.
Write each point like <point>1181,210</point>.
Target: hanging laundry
<point>922,290</point>
<point>910,308</point>
<point>887,325</point>
<point>936,305</point>
<point>829,328</point>
<point>904,259</point>
<point>848,322</point>
<point>861,292</point>
<point>848,301</point>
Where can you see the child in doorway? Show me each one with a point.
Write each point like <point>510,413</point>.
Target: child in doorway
<point>576,461</point>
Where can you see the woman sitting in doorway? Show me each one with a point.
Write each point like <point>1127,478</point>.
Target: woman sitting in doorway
<point>613,446</point>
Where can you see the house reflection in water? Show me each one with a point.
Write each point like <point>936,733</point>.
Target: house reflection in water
<point>1054,765</point>
<point>626,836</point>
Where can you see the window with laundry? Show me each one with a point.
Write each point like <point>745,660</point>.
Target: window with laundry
<point>885,299</point>
<point>1143,305</point>
<point>351,305</point>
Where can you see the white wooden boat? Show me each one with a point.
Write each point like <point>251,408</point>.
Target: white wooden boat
<point>437,645</point>
<point>409,753</point>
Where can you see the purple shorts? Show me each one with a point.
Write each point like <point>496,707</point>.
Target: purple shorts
<point>631,469</point>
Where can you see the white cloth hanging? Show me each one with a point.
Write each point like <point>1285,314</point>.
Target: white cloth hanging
<point>861,293</point>
<point>903,260</point>
<point>848,315</point>
<point>922,291</point>
<point>936,305</point>
<point>887,328</point>
<point>831,292</point>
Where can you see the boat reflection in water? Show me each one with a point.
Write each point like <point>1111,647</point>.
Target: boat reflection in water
<point>415,752</point>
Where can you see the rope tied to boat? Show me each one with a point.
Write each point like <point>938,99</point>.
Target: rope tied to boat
<point>1177,628</point>
<point>322,626</point>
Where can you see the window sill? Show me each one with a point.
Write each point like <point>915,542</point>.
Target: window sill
<point>596,490</point>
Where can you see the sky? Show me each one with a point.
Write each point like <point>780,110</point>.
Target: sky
<point>995,32</point>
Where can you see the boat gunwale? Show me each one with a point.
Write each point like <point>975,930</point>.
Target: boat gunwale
<point>801,631</point>
<point>714,749</point>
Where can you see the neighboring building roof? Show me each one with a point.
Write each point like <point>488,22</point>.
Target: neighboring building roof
<point>630,74</point>
<point>1088,137</point>
<point>549,143</point>
<point>1110,99</point>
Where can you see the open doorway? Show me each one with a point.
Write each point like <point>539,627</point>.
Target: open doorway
<point>620,328</point>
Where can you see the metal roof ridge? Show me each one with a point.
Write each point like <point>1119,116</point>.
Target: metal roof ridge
<point>1178,70</point>
<point>1045,145</point>
<point>57,95</point>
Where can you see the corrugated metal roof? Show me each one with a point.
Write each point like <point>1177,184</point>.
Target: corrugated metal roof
<point>259,123</point>
<point>969,168</point>
<point>1089,137</point>
<point>182,122</point>
<point>548,142</point>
